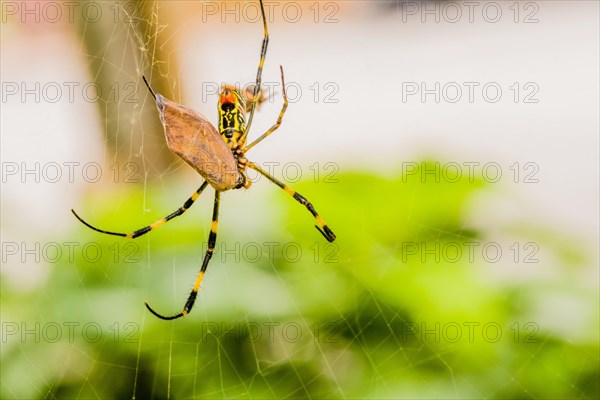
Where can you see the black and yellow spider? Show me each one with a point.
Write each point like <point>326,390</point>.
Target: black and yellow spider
<point>219,157</point>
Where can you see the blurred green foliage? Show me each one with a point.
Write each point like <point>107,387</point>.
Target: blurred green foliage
<point>393,309</point>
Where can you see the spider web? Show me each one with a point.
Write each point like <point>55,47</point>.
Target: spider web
<point>338,322</point>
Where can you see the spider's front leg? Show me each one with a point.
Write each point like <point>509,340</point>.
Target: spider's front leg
<point>212,240</point>
<point>142,231</point>
<point>321,225</point>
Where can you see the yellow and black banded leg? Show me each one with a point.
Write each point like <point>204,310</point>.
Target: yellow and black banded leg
<point>321,225</point>
<point>261,63</point>
<point>279,119</point>
<point>212,239</point>
<point>156,224</point>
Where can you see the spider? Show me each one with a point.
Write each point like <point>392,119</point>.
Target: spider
<point>218,156</point>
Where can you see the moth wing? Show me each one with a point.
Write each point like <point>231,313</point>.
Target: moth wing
<point>193,138</point>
